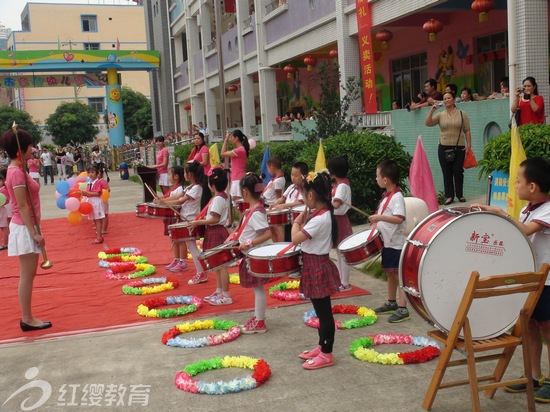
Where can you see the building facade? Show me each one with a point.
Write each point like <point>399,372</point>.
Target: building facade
<point>72,27</point>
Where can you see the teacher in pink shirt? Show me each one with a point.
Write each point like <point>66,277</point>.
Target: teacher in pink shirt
<point>201,154</point>
<point>161,165</point>
<point>239,157</point>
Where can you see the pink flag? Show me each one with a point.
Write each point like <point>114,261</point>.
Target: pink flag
<point>117,44</point>
<point>420,178</point>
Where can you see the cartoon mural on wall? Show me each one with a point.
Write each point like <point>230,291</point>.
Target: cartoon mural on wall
<point>445,68</point>
<point>301,92</point>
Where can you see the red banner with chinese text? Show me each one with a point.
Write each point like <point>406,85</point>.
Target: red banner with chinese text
<point>366,57</point>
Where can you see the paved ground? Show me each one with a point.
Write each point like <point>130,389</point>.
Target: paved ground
<point>70,367</point>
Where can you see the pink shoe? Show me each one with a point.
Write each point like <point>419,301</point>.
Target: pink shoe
<point>253,326</point>
<point>221,300</point>
<point>200,277</point>
<point>310,354</point>
<point>179,267</point>
<point>172,263</point>
<point>210,297</point>
<point>323,360</point>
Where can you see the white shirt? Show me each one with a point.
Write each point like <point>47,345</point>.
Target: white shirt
<point>292,194</point>
<point>319,235</point>
<point>256,225</point>
<point>343,194</point>
<point>46,158</point>
<point>218,207</point>
<point>69,159</point>
<point>392,234</point>
<point>277,183</point>
<point>540,239</point>
<point>192,206</point>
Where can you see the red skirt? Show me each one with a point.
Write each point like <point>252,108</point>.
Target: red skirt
<point>344,228</point>
<point>247,280</point>
<point>214,236</point>
<point>320,277</point>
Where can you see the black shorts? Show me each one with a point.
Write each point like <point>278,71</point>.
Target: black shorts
<point>542,310</point>
<point>390,258</point>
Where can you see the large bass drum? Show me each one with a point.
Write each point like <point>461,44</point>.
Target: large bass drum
<point>440,255</point>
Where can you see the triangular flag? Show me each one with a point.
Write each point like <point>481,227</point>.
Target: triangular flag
<point>117,44</point>
<point>214,155</point>
<point>58,44</point>
<point>320,162</point>
<point>263,168</point>
<point>421,179</point>
<point>517,156</point>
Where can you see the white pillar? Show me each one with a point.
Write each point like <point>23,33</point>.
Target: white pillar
<point>192,30</point>
<point>247,83</point>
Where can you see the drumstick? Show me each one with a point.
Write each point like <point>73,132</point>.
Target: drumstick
<point>355,208</point>
<point>151,190</point>
<point>372,261</point>
<point>156,197</point>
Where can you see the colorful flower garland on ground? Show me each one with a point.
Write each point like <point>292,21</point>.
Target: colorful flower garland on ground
<point>149,307</point>
<point>360,349</point>
<point>232,332</point>
<point>119,252</point>
<point>368,317</point>
<point>142,270</point>
<point>287,291</point>
<point>184,380</point>
<point>141,287</point>
<point>122,258</point>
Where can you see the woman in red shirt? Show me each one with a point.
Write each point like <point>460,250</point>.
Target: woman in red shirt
<point>530,104</point>
<point>201,154</point>
<point>238,156</point>
<point>33,164</point>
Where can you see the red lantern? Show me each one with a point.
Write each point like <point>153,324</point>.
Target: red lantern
<point>483,7</point>
<point>187,108</point>
<point>384,36</point>
<point>232,88</point>
<point>310,61</point>
<point>432,27</point>
<point>289,70</point>
<point>333,53</point>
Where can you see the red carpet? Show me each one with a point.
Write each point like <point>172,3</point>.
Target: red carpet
<point>77,299</point>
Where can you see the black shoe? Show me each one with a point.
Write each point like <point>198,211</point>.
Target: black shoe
<point>448,201</point>
<point>462,199</point>
<point>27,328</point>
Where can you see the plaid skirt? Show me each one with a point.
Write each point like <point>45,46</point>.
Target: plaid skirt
<point>344,227</point>
<point>247,280</point>
<point>214,236</point>
<point>320,277</point>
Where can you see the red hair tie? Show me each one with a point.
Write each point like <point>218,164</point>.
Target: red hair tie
<point>259,187</point>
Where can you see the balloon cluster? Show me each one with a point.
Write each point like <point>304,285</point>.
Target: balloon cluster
<point>69,197</point>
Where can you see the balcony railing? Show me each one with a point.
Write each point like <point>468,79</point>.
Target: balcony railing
<point>272,5</point>
<point>210,47</point>
<point>282,128</point>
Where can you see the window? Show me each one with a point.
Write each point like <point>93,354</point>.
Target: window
<point>91,46</point>
<point>89,23</point>
<point>409,74</point>
<point>98,103</point>
<point>491,62</point>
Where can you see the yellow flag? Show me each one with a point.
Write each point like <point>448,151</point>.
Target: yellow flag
<point>518,155</point>
<point>214,155</point>
<point>320,163</point>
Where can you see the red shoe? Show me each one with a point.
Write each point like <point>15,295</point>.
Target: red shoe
<point>253,326</point>
<point>323,360</point>
<point>200,277</point>
<point>310,354</point>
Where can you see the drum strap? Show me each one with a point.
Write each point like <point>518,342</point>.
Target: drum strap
<point>237,232</point>
<point>271,182</point>
<point>390,195</point>
<point>167,194</point>
<point>204,210</point>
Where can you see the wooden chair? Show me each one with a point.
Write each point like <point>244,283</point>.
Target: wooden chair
<point>531,282</point>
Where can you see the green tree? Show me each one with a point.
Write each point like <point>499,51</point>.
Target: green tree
<point>332,110</point>
<point>72,123</point>
<point>9,114</point>
<point>138,122</point>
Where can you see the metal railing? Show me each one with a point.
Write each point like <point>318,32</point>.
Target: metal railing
<point>275,4</point>
<point>381,119</point>
<point>282,128</point>
<point>210,47</point>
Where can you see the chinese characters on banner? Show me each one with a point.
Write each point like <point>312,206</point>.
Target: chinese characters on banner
<point>51,80</point>
<point>365,55</point>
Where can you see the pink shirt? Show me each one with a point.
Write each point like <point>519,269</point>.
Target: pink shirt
<point>16,178</point>
<point>198,158</point>
<point>160,159</point>
<point>32,164</point>
<point>238,163</point>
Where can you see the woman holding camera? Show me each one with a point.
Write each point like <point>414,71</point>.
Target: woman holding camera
<point>454,141</point>
<point>530,104</point>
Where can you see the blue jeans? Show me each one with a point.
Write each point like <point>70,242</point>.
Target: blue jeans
<point>48,171</point>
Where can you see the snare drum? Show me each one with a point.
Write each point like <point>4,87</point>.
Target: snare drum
<point>357,248</point>
<point>180,232</point>
<point>242,206</point>
<point>262,261</point>
<point>161,212</point>
<point>296,210</point>
<point>221,256</point>
<point>141,210</point>
<point>278,217</point>
<point>440,255</point>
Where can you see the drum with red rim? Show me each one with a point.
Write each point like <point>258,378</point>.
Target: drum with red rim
<point>219,257</point>
<point>263,261</point>
<point>278,217</point>
<point>141,210</point>
<point>296,210</point>
<point>161,211</point>
<point>180,232</point>
<point>439,256</point>
<point>361,246</point>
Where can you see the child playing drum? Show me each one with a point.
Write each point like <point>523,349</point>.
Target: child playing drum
<point>273,192</point>
<point>253,231</point>
<point>216,216</point>
<point>389,220</point>
<point>317,234</point>
<point>533,185</point>
<point>338,168</point>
